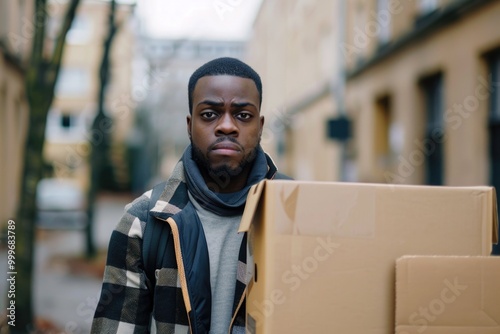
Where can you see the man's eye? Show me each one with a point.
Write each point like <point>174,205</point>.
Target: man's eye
<point>244,116</point>
<point>208,115</point>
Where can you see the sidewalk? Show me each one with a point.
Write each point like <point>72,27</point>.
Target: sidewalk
<point>65,292</point>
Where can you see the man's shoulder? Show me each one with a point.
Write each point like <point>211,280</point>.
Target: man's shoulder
<point>138,206</point>
<point>146,198</point>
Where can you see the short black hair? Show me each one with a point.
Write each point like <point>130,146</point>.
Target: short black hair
<point>223,66</point>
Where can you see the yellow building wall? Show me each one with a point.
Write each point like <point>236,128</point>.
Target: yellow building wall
<point>457,51</point>
<point>14,50</point>
<point>311,156</point>
<point>13,126</point>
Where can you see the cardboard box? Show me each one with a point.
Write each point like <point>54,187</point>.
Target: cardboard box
<point>448,295</point>
<point>324,253</point>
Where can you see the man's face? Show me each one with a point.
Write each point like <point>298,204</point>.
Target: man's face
<point>225,126</point>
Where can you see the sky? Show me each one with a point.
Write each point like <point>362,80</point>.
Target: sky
<point>198,19</point>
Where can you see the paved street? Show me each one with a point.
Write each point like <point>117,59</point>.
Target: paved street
<point>64,293</point>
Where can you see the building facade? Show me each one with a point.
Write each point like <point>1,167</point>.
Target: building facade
<point>16,19</point>
<point>417,82</point>
<point>422,91</point>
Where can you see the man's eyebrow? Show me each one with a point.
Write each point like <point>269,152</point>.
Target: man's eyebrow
<point>221,104</point>
<point>243,104</point>
<point>211,103</point>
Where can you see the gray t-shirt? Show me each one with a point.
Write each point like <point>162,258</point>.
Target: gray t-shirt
<point>223,241</point>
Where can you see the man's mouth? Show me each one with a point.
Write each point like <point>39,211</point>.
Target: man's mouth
<point>226,147</point>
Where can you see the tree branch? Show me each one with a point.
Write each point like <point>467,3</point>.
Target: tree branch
<point>105,62</point>
<point>38,40</point>
<point>55,62</point>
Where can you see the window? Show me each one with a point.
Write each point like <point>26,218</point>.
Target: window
<point>81,30</point>
<point>494,125</point>
<point>73,81</point>
<point>432,145</point>
<point>494,66</point>
<point>383,21</point>
<point>382,125</point>
<point>66,126</point>
<point>66,122</point>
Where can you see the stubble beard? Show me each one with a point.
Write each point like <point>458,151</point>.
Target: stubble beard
<point>223,174</point>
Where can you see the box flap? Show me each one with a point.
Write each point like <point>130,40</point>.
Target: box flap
<point>251,205</point>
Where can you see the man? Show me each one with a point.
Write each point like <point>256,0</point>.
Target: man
<point>200,285</point>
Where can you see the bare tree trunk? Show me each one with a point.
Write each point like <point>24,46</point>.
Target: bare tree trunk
<point>40,83</point>
<point>100,140</point>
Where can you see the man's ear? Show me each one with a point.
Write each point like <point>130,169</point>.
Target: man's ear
<point>261,124</point>
<point>188,123</point>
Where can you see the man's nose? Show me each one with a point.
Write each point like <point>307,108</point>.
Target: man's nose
<point>226,125</point>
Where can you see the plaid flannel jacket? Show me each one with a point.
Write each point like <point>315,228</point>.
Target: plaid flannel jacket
<point>180,300</point>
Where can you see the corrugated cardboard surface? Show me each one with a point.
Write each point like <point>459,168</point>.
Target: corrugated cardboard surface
<point>446,294</point>
<point>324,252</point>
